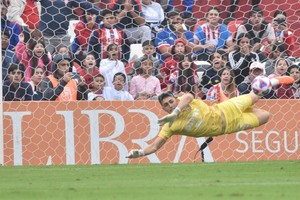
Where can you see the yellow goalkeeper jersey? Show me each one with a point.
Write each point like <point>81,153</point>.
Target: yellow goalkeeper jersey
<point>196,120</point>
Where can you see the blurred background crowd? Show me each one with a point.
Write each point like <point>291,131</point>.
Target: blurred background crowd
<point>64,50</point>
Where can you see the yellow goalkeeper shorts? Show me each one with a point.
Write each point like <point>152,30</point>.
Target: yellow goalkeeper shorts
<point>238,114</point>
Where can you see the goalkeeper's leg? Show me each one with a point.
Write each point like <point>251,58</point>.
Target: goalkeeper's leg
<point>282,80</point>
<point>275,82</point>
<point>256,117</point>
<point>262,116</point>
<point>252,118</point>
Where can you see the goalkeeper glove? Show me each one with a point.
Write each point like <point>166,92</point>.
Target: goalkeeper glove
<point>135,153</point>
<point>170,117</point>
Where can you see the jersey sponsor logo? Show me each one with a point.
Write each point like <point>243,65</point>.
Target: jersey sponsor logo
<point>194,120</point>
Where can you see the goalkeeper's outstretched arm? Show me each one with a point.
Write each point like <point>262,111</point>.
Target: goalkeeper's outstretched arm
<point>152,148</point>
<point>171,106</point>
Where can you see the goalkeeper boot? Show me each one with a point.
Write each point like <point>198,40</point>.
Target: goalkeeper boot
<point>286,80</point>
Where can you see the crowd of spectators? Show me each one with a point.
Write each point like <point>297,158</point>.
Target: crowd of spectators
<point>41,62</point>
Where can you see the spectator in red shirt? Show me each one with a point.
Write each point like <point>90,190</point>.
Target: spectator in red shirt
<point>171,64</point>
<point>83,30</point>
<point>89,69</point>
<point>107,34</point>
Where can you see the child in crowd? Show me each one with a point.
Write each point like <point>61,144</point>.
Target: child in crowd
<point>226,89</point>
<point>63,49</point>
<point>106,34</point>
<point>96,91</point>
<point>148,51</point>
<point>211,75</point>
<point>184,79</point>
<point>89,69</point>
<point>172,62</point>
<point>256,69</point>
<point>15,89</point>
<point>280,69</point>
<point>145,82</point>
<point>111,65</point>
<point>117,92</point>
<point>291,91</point>
<point>36,83</point>
<point>35,54</point>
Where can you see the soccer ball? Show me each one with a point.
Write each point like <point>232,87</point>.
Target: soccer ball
<point>261,86</point>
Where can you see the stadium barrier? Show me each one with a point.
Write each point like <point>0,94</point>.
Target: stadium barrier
<point>92,132</point>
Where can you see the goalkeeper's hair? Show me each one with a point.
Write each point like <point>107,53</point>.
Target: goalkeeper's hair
<point>164,95</point>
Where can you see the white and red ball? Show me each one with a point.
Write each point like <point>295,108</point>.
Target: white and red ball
<point>261,85</point>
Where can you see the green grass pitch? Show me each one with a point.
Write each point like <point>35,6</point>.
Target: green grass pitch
<point>232,180</point>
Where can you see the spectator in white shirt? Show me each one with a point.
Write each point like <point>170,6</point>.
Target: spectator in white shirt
<point>154,15</point>
<point>111,65</point>
<point>117,92</point>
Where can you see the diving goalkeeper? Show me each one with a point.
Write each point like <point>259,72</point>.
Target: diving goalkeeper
<point>192,117</point>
